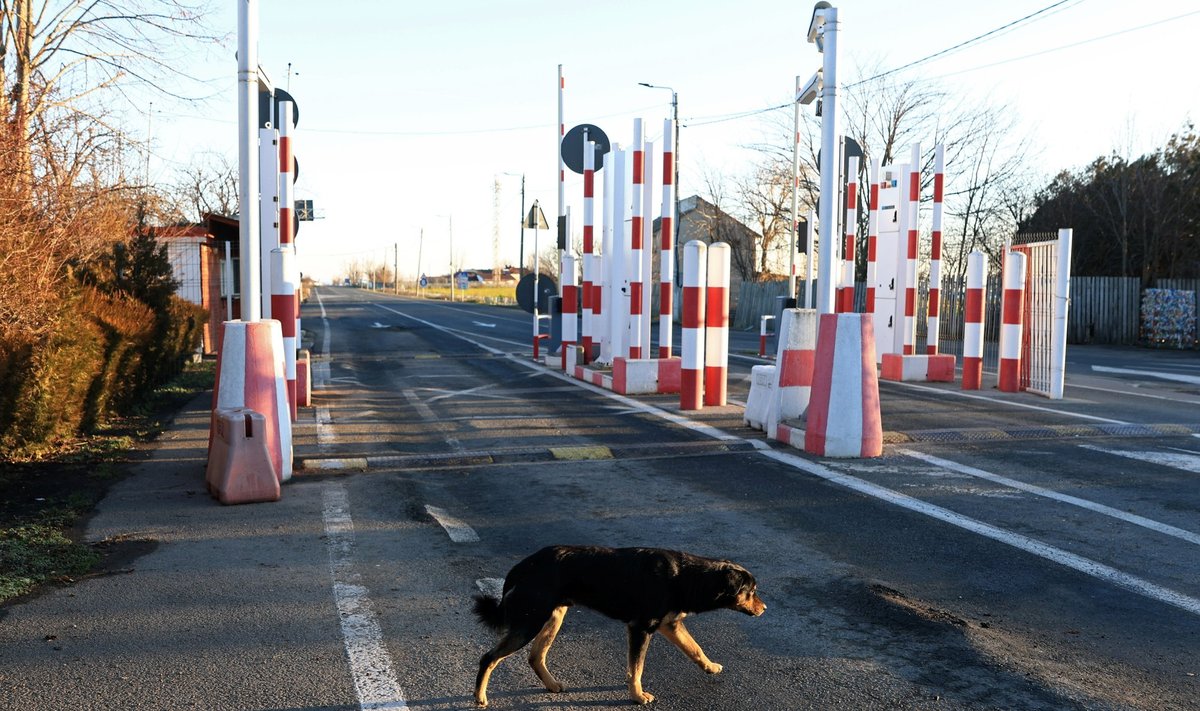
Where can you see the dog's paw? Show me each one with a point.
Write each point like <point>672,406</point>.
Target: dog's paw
<point>481,703</point>
<point>556,687</point>
<point>713,668</point>
<point>643,698</point>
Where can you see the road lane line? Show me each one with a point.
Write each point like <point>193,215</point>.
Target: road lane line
<point>1056,555</point>
<point>458,530</point>
<point>1067,559</point>
<point>996,401</point>
<point>428,415</point>
<point>1184,462</point>
<point>1136,520</point>
<point>370,665</point>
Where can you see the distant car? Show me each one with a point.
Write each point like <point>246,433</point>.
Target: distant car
<point>346,281</point>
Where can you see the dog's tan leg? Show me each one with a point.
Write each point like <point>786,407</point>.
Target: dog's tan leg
<point>509,643</point>
<point>639,642</point>
<point>680,637</point>
<point>541,646</point>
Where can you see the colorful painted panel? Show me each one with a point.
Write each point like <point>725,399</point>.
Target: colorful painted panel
<point>1169,318</point>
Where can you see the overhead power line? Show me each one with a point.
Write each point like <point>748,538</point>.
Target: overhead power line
<point>967,43</point>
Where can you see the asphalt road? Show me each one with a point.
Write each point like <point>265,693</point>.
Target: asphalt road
<point>1005,552</point>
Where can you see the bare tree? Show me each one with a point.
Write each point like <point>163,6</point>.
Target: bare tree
<point>209,184</point>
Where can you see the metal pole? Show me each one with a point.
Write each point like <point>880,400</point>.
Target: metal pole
<point>450,219</point>
<point>830,165</point>
<point>396,268</point>
<point>795,196</point>
<point>521,256</point>
<point>248,235</point>
<point>562,171</point>
<point>420,248</point>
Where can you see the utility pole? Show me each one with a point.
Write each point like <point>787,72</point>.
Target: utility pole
<point>396,270</point>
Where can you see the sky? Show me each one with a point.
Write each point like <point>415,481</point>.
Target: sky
<point>411,112</point>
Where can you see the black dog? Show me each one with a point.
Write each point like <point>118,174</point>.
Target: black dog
<point>646,588</point>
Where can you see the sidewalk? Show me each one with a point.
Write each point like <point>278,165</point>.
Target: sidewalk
<point>205,619</point>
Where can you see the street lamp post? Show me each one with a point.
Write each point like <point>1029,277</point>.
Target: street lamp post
<point>521,254</point>
<point>674,160</point>
<point>822,31</point>
<point>450,222</point>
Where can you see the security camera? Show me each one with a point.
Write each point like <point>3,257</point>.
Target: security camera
<point>809,93</point>
<point>818,20</point>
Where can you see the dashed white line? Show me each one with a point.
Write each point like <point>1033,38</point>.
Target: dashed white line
<point>1134,519</point>
<point>458,530</point>
<point>370,665</point>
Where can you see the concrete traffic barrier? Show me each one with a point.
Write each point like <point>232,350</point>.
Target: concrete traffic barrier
<point>250,375</point>
<point>240,470</point>
<point>762,392</point>
<point>936,368</point>
<point>795,354</point>
<point>843,415</point>
<point>1012,313</point>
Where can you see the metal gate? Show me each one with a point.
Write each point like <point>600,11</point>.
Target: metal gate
<point>1043,341</point>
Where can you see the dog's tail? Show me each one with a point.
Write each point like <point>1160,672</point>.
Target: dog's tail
<point>490,612</point>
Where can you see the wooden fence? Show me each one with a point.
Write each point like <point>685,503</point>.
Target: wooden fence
<point>1103,310</point>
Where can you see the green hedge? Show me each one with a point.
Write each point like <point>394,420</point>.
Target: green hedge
<point>104,353</point>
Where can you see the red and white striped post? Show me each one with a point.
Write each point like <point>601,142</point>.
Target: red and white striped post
<point>666,262</point>
<point>762,334</point>
<point>562,178</point>
<point>716,325</point>
<point>872,234</point>
<point>285,284</point>
<point>973,331</point>
<point>933,320</point>
<point>589,244</point>
<point>912,204</point>
<point>647,246</point>
<point>1012,307</point>
<point>846,296</point>
<point>635,261</point>
<point>691,372</point>
<point>570,302</point>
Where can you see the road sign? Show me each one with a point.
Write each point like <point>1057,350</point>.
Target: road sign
<point>572,146</point>
<point>424,281</point>
<point>464,280</point>
<point>536,219</point>
<point>546,289</point>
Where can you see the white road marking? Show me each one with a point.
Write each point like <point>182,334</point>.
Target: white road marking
<point>1010,403</point>
<point>1186,462</point>
<point>379,325</point>
<point>1176,377</point>
<point>1136,520</point>
<point>1070,560</point>
<point>326,438</point>
<point>491,587</point>
<point>1016,540</point>
<point>484,325</point>
<point>370,665</point>
<point>458,530</point>
<point>337,464</point>
<point>428,415</point>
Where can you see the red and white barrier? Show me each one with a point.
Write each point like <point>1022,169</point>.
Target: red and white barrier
<point>933,318</point>
<point>589,243</point>
<point>648,376</point>
<point>911,205</point>
<point>239,469</point>
<point>647,246</point>
<point>922,368</point>
<point>635,234</point>
<point>666,262</point>
<point>872,234</point>
<point>843,416</point>
<point>763,333</point>
<point>846,293</point>
<point>972,378</point>
<point>1010,324</point>
<point>283,310</point>
<point>795,355</point>
<point>716,325</point>
<point>695,277</point>
<point>303,378</point>
<point>570,307</point>
<point>250,375</point>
